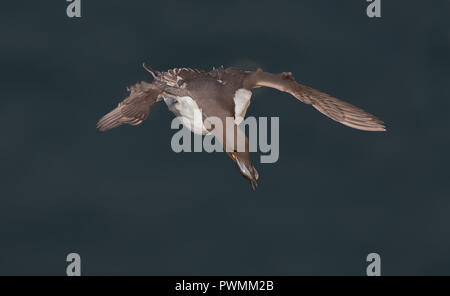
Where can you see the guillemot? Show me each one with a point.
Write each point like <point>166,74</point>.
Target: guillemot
<point>194,95</point>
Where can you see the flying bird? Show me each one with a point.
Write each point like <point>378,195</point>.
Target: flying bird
<point>225,92</point>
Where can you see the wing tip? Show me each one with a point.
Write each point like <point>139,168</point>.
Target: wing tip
<point>369,126</point>
<point>378,126</point>
<point>110,121</point>
<point>378,129</point>
<point>104,127</point>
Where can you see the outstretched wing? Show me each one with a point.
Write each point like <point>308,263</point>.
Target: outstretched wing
<point>336,109</point>
<point>134,109</point>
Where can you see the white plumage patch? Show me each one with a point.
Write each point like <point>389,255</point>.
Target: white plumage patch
<point>241,103</point>
<point>191,114</point>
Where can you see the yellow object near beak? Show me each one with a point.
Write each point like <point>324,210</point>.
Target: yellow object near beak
<point>234,156</point>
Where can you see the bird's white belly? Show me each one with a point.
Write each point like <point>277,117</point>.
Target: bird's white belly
<point>191,114</point>
<point>241,103</point>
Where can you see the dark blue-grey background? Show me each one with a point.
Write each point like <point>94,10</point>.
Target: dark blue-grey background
<point>129,205</point>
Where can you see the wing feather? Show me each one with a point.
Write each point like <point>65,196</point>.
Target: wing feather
<point>134,109</point>
<point>330,106</point>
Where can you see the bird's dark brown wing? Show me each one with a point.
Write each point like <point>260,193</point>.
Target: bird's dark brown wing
<point>134,109</point>
<point>334,108</point>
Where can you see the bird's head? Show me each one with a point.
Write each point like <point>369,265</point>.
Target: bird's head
<point>246,168</point>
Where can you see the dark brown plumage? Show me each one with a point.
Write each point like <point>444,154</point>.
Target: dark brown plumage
<point>225,93</point>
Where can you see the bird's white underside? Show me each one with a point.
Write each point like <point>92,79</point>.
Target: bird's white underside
<point>191,114</point>
<point>241,103</point>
